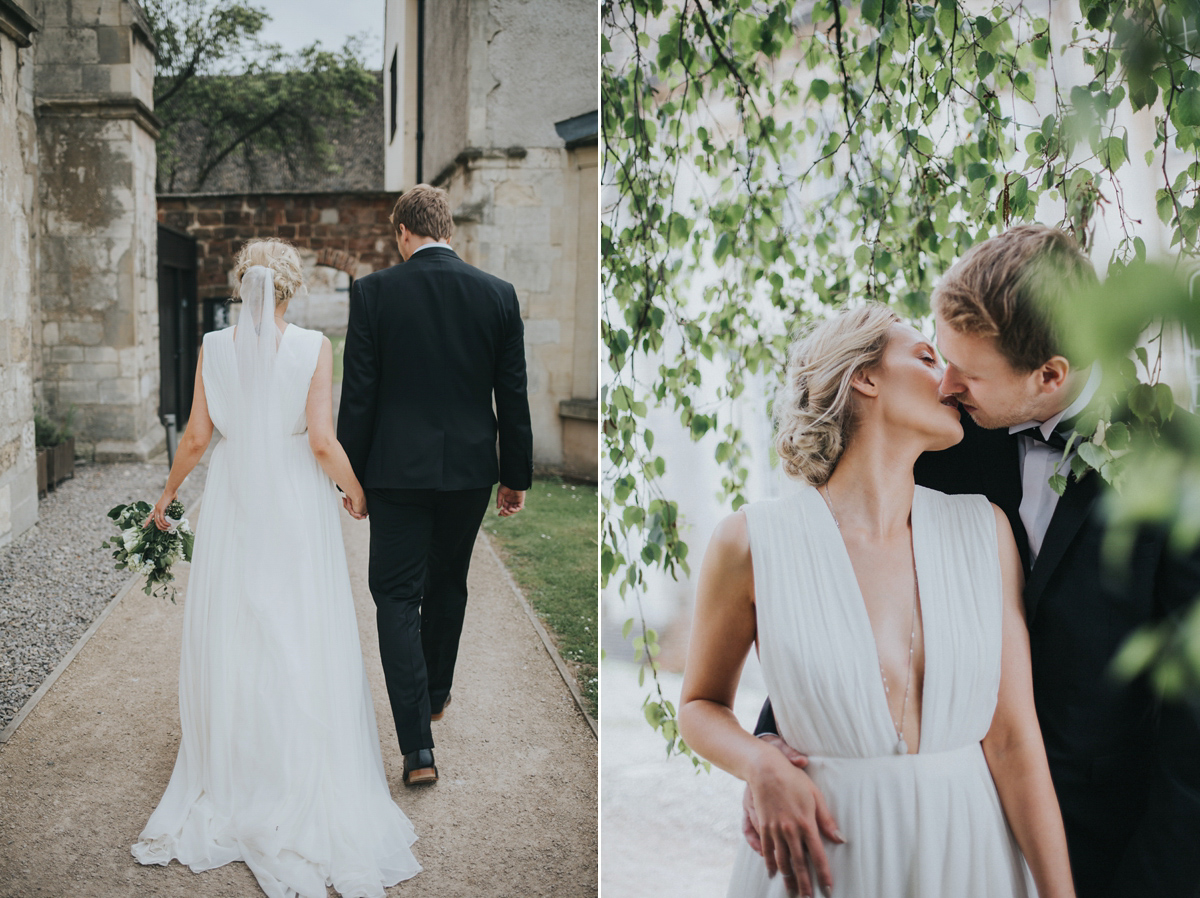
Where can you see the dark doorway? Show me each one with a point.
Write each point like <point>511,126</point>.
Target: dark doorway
<point>178,344</point>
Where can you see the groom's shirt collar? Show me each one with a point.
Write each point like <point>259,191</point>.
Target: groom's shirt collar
<point>1081,402</point>
<point>430,246</point>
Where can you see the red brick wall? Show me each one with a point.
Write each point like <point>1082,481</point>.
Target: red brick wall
<point>350,232</point>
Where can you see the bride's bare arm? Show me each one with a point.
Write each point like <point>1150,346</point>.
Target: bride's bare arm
<point>723,630</point>
<point>191,447</point>
<point>1013,746</point>
<point>322,438</point>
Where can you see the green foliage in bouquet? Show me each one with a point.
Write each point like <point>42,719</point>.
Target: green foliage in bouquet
<point>148,550</point>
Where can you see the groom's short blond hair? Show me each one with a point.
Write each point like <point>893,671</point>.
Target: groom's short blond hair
<point>425,211</point>
<point>1013,288</point>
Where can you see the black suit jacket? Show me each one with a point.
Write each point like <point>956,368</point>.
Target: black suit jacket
<point>1126,767</point>
<point>429,344</point>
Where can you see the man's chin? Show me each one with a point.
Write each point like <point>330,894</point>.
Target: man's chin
<point>983,420</point>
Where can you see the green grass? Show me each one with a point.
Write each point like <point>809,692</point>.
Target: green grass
<point>550,547</point>
<point>339,352</point>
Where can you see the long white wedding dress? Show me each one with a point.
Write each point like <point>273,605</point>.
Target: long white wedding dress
<point>279,764</point>
<point>924,825</point>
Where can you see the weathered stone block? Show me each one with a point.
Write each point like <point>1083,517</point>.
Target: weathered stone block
<point>112,45</point>
<point>59,80</point>
<point>82,333</point>
<point>96,371</point>
<point>78,392</point>
<point>101,354</point>
<point>119,392</point>
<point>67,46</point>
<point>66,354</point>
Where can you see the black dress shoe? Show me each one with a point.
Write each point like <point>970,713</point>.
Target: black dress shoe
<point>419,769</point>
<point>442,713</point>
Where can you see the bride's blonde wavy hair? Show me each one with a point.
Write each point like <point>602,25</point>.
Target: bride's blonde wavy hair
<point>814,416</point>
<point>278,255</point>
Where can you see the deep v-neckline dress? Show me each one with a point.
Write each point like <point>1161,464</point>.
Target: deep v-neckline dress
<point>918,825</point>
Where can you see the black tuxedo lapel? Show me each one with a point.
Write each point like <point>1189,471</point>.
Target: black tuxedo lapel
<point>1072,510</point>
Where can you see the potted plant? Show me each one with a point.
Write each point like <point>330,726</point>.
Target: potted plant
<point>55,445</point>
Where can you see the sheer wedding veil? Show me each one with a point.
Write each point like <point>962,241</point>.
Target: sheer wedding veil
<point>256,345</point>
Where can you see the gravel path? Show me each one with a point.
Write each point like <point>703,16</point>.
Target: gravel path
<point>55,579</point>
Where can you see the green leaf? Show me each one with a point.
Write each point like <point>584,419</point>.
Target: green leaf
<point>1112,153</point>
<point>1058,483</point>
<point>819,89</point>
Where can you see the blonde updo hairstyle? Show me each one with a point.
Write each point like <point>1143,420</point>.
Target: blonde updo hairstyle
<point>278,255</point>
<point>814,416</point>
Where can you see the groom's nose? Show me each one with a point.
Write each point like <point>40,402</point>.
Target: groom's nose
<point>952,384</point>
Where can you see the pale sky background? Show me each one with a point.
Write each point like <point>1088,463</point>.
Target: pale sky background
<point>297,23</point>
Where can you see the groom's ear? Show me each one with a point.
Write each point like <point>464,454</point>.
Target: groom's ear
<point>1053,374</point>
<point>865,382</point>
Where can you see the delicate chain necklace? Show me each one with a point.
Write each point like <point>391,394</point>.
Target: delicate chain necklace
<point>901,745</point>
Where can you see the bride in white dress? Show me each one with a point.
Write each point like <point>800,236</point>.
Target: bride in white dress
<point>889,624</point>
<point>279,764</point>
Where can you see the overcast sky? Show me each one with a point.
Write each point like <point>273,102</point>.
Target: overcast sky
<point>297,23</point>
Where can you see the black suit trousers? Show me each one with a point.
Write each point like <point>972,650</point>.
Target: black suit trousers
<point>421,543</point>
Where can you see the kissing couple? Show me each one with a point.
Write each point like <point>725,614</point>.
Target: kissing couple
<point>934,622</point>
<point>279,763</point>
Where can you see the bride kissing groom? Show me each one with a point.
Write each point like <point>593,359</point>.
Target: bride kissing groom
<point>279,762</point>
<point>994,676</point>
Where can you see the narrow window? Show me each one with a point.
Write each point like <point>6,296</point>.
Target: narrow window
<point>392,101</point>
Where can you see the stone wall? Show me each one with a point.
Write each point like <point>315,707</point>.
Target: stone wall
<point>348,232</point>
<point>18,177</point>
<point>98,245</point>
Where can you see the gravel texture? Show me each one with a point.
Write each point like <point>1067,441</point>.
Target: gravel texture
<point>55,579</point>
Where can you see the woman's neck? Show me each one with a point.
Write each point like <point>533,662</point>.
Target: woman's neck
<point>872,487</point>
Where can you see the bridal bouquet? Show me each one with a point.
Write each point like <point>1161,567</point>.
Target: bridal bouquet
<point>148,550</point>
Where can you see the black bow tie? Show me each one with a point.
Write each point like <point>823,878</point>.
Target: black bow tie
<point>1056,440</point>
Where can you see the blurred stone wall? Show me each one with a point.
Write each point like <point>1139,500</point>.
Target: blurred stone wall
<point>18,213</point>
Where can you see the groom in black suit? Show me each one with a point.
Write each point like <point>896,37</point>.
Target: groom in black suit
<point>1126,767</point>
<point>431,344</point>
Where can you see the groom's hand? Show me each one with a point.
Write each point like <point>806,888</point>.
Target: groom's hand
<point>509,502</point>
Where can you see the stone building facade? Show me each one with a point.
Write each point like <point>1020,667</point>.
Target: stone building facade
<point>78,316</point>
<point>496,101</point>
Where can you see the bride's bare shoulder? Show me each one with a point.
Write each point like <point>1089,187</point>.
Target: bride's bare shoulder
<point>730,541</point>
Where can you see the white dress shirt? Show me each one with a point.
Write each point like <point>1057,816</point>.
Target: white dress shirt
<point>428,245</point>
<point>1038,464</point>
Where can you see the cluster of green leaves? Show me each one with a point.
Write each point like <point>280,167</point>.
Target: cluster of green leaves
<point>770,164</point>
<point>215,76</point>
<point>1146,448</point>
<point>48,432</point>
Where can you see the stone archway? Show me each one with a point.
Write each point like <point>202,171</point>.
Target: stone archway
<point>339,259</point>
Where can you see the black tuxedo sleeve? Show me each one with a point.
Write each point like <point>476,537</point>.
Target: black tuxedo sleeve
<point>766,720</point>
<point>512,403</point>
<point>360,386</point>
<point>1162,858</point>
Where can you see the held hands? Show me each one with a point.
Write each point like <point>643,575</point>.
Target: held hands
<point>356,506</point>
<point>786,817</point>
<point>509,502</point>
